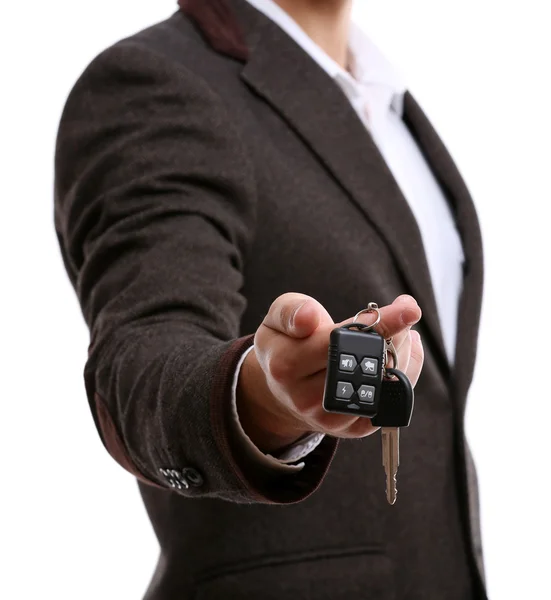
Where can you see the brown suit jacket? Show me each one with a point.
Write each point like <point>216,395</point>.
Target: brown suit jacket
<point>204,166</point>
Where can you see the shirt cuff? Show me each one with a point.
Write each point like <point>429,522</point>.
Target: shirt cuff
<point>293,453</point>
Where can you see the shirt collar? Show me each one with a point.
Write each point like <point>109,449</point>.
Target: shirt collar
<point>369,66</point>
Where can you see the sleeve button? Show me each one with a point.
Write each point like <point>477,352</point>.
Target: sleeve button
<point>182,479</point>
<point>193,476</point>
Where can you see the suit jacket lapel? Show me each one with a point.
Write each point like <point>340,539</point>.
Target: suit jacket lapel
<point>286,77</point>
<point>462,205</point>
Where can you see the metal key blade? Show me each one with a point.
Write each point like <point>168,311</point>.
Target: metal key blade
<point>390,438</point>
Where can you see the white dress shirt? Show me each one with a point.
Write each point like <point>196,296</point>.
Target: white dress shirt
<point>376,92</point>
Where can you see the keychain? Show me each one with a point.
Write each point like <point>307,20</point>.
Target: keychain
<point>360,382</point>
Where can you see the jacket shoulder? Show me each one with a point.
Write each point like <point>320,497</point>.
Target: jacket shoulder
<point>174,42</point>
<point>176,37</point>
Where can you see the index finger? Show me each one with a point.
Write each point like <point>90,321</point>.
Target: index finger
<point>396,317</point>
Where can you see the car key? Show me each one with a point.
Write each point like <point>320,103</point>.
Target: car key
<point>355,385</point>
<point>395,411</point>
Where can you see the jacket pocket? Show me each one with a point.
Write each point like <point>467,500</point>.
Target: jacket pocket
<point>346,574</point>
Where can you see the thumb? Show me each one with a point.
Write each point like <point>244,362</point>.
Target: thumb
<point>296,315</point>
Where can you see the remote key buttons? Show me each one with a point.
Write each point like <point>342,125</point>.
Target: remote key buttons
<point>366,394</point>
<point>370,366</point>
<point>344,390</point>
<point>347,363</point>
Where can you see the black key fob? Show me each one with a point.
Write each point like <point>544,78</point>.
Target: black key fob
<point>354,371</point>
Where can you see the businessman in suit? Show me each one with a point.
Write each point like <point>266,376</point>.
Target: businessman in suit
<point>232,183</point>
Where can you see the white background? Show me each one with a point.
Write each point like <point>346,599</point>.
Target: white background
<point>72,523</point>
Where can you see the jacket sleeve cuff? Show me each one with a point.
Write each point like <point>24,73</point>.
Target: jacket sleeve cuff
<point>284,459</point>
<point>265,478</point>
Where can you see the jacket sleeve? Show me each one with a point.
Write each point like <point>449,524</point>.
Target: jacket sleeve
<point>155,212</point>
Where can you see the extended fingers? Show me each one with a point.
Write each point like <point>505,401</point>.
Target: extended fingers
<point>395,318</point>
<point>398,316</point>
<point>416,359</point>
<point>404,351</point>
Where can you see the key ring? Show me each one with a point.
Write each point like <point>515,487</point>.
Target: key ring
<point>373,307</point>
<point>392,351</point>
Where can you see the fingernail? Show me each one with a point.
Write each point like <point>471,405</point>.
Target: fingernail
<point>415,336</point>
<point>295,312</point>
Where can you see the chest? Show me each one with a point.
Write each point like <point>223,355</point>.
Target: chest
<point>310,235</point>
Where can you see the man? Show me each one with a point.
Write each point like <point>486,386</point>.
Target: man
<point>255,171</point>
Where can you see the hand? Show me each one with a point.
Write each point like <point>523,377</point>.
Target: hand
<point>281,383</point>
